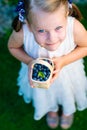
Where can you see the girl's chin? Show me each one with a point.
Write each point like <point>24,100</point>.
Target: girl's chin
<point>52,48</point>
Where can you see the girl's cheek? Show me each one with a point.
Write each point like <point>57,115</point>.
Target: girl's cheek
<point>62,35</point>
<point>40,37</point>
<point>40,40</point>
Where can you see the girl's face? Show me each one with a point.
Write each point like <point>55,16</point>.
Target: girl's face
<point>49,29</point>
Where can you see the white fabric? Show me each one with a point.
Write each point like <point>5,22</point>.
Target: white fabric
<point>69,89</point>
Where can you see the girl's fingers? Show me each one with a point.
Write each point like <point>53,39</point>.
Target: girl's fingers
<point>29,77</point>
<point>54,77</point>
<point>56,71</point>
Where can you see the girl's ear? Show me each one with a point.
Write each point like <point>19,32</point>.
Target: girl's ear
<point>67,13</point>
<point>29,26</point>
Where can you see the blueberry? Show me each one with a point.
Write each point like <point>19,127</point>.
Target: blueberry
<point>41,72</point>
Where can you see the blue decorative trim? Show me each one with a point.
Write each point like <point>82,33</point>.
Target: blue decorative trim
<point>21,10</point>
<point>70,1</point>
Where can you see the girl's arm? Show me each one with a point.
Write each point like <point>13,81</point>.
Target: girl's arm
<point>15,46</point>
<point>80,36</point>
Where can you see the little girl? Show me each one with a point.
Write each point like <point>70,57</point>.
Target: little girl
<point>51,28</point>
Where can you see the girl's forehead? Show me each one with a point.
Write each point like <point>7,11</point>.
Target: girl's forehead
<point>42,19</point>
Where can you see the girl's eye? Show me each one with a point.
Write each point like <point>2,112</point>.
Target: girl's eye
<point>41,31</point>
<point>59,27</point>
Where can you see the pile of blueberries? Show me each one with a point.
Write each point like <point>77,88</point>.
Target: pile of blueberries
<point>41,72</point>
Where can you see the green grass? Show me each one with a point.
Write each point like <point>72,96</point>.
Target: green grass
<point>14,113</point>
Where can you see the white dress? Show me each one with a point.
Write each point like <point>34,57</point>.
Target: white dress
<point>69,89</point>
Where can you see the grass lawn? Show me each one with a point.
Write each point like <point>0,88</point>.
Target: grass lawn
<point>14,113</point>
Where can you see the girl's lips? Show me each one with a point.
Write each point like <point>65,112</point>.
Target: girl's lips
<point>52,47</point>
<point>53,44</point>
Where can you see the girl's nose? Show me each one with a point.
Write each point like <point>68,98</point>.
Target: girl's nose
<point>52,37</point>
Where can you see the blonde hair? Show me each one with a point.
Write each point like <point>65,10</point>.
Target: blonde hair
<point>47,6</point>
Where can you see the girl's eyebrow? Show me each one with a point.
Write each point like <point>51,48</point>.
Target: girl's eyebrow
<point>42,28</point>
<point>38,28</point>
<point>59,26</point>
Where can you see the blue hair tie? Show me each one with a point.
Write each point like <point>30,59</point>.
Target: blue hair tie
<point>70,4</point>
<point>21,10</point>
<point>70,1</point>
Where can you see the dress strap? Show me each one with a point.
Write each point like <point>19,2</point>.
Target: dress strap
<point>70,28</point>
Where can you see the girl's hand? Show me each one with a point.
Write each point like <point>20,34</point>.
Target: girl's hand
<point>30,67</point>
<point>58,65</point>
